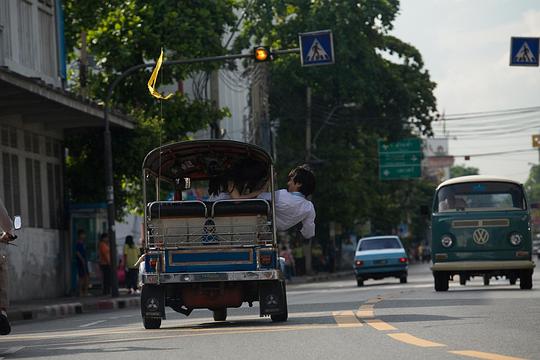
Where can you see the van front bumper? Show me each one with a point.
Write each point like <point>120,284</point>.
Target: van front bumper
<point>483,265</point>
<point>172,278</point>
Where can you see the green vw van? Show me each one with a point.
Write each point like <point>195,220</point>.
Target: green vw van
<point>481,227</point>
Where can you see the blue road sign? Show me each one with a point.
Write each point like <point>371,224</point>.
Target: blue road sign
<point>524,51</point>
<point>317,48</point>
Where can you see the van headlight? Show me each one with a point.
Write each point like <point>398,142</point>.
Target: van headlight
<point>447,241</point>
<point>516,239</point>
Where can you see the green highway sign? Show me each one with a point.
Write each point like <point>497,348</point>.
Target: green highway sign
<point>400,160</point>
<point>408,145</point>
<point>400,172</point>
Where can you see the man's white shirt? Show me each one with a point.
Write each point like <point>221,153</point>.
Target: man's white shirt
<point>291,209</point>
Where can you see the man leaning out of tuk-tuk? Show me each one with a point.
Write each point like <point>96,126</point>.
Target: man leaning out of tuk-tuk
<point>292,205</point>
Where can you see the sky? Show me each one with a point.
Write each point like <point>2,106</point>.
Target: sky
<point>465,45</point>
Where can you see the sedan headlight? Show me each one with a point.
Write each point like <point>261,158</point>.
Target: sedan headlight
<point>447,241</point>
<point>516,239</point>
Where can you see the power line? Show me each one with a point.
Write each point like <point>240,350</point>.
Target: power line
<point>466,116</point>
<point>496,153</point>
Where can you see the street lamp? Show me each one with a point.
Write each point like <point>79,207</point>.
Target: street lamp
<point>327,120</point>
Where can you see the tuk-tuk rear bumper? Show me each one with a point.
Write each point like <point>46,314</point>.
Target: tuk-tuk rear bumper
<point>483,265</point>
<point>171,278</point>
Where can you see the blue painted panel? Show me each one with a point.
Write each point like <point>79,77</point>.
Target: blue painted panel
<point>211,256</point>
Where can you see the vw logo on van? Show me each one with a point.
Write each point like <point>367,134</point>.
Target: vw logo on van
<point>480,236</point>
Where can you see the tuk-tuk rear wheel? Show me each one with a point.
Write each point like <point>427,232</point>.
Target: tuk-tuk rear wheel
<point>525,280</point>
<point>151,323</point>
<point>220,314</point>
<point>441,281</point>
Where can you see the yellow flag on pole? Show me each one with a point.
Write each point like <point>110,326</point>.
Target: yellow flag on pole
<point>153,78</point>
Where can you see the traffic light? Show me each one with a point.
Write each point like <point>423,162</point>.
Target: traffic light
<point>262,54</point>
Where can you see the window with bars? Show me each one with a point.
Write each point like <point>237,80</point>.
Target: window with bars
<point>54,187</point>
<point>34,192</point>
<point>10,179</point>
<point>9,136</point>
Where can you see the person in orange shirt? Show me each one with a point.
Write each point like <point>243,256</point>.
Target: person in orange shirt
<point>105,262</point>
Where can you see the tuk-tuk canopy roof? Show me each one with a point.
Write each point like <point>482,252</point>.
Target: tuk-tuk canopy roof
<point>201,159</point>
<point>475,178</point>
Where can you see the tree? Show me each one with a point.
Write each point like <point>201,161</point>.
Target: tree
<point>394,100</point>
<point>121,34</point>
<point>532,185</point>
<point>461,170</point>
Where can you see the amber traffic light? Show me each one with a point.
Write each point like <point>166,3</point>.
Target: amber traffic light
<point>262,53</point>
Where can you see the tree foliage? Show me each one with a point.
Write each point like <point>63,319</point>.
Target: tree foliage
<point>384,76</point>
<point>123,33</point>
<point>532,185</point>
<point>462,170</point>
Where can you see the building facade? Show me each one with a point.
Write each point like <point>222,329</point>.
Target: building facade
<point>35,112</point>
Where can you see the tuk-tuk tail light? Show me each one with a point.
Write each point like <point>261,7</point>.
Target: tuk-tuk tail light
<point>358,263</point>
<point>265,259</point>
<point>515,239</point>
<point>522,254</point>
<point>403,260</point>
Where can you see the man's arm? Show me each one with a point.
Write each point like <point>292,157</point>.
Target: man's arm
<point>308,224</point>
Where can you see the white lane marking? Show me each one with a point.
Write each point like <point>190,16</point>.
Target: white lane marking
<point>92,323</point>
<point>11,351</point>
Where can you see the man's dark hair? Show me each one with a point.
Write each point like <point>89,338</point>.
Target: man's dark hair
<point>103,236</point>
<point>304,176</point>
<point>80,232</point>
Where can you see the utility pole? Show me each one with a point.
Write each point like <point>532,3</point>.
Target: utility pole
<point>307,242</point>
<point>215,130</point>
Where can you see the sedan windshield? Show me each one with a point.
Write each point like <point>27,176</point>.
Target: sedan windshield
<point>378,244</point>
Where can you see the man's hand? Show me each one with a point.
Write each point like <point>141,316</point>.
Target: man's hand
<point>6,237</point>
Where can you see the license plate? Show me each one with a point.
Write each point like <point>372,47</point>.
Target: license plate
<point>380,262</point>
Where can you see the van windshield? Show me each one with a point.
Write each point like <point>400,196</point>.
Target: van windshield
<point>378,244</point>
<point>480,196</point>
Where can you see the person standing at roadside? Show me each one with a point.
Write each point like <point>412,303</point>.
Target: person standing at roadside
<point>82,263</point>
<point>6,225</point>
<point>105,262</point>
<point>131,256</point>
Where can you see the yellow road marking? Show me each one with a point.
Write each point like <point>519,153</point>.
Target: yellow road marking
<point>379,325</point>
<point>484,355</point>
<point>365,311</point>
<point>346,319</point>
<point>413,340</point>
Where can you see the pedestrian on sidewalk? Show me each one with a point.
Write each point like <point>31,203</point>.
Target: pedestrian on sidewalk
<point>82,263</point>
<point>131,256</point>
<point>289,261</point>
<point>105,263</point>
<point>6,225</point>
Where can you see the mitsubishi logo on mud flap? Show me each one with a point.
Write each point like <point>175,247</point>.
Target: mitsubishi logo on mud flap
<point>480,236</point>
<point>271,300</point>
<point>152,305</point>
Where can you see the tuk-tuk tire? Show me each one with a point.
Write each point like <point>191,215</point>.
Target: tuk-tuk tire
<point>486,280</point>
<point>359,282</point>
<point>151,323</point>
<point>512,280</point>
<point>525,280</point>
<point>284,315</point>
<point>220,314</point>
<point>462,279</point>
<point>441,281</point>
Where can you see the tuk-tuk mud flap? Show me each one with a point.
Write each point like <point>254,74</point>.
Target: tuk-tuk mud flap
<point>153,301</point>
<point>272,298</point>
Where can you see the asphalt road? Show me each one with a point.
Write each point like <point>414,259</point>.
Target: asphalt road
<point>331,320</point>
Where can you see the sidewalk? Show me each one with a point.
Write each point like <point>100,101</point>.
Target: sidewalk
<point>69,306</point>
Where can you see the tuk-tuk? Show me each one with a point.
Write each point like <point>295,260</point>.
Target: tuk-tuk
<point>208,252</point>
<point>481,227</point>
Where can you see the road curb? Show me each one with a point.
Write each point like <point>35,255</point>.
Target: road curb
<point>45,312</point>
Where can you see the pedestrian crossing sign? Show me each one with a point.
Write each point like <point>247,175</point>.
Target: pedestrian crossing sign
<point>524,51</point>
<point>316,48</point>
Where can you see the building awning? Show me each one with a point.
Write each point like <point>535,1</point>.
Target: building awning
<point>56,108</point>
